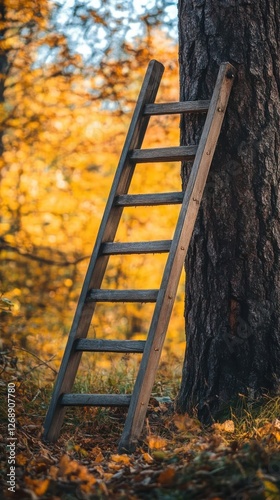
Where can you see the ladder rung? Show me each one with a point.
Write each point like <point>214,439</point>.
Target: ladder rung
<point>161,246</point>
<point>100,345</point>
<point>178,153</point>
<point>95,399</point>
<point>122,295</point>
<point>140,200</point>
<point>170,108</point>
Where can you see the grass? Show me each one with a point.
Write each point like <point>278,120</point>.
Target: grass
<point>176,459</point>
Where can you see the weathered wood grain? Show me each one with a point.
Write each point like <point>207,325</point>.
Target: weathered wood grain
<point>173,108</point>
<point>100,295</point>
<point>140,247</point>
<point>177,153</point>
<point>138,200</point>
<point>95,400</point>
<point>103,345</point>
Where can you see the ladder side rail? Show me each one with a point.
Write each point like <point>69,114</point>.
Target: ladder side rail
<point>182,236</point>
<point>97,265</point>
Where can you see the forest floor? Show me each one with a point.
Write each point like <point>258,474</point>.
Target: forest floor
<point>176,458</point>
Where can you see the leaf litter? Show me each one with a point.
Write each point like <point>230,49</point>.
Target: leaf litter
<point>176,458</point>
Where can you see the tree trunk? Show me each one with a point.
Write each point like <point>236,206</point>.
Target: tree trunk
<point>233,264</point>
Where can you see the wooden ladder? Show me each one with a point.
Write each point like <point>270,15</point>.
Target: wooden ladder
<point>105,246</point>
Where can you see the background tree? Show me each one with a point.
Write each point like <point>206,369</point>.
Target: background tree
<point>233,265</point>
<point>74,75</point>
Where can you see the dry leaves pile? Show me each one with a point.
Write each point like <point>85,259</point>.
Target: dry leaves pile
<point>177,458</point>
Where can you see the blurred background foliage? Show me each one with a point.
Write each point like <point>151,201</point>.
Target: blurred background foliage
<point>70,72</point>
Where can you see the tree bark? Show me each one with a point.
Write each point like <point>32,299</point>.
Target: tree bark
<point>233,264</point>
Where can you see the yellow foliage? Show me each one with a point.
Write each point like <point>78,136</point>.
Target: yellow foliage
<point>61,150</point>
<point>157,442</point>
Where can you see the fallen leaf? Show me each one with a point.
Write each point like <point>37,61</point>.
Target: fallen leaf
<point>21,459</point>
<point>96,454</point>
<point>271,491</point>
<point>38,486</point>
<point>67,466</point>
<point>166,477</point>
<point>227,426</point>
<point>156,442</point>
<point>108,476</point>
<point>147,457</point>
<point>122,459</point>
<point>276,424</point>
<point>160,456</point>
<point>114,466</point>
<point>184,423</point>
<point>53,472</point>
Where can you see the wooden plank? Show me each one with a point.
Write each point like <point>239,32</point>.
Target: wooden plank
<point>102,345</point>
<point>101,295</point>
<point>97,265</point>
<point>141,247</point>
<point>172,108</point>
<point>179,153</point>
<point>95,400</point>
<point>182,236</point>
<point>141,200</point>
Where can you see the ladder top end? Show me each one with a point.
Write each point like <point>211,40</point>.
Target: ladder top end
<point>229,68</point>
<point>157,64</point>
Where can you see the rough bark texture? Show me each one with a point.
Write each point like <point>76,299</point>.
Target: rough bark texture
<point>233,264</point>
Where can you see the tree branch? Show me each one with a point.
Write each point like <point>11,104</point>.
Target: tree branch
<point>43,260</point>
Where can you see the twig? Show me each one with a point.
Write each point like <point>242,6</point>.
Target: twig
<point>43,260</point>
<point>42,362</point>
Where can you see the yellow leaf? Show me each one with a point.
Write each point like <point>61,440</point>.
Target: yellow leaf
<point>114,466</point>
<point>147,457</point>
<point>184,423</point>
<point>160,456</point>
<point>121,459</point>
<point>53,472</point>
<point>227,426</point>
<point>21,459</point>
<point>107,476</point>
<point>276,434</point>
<point>156,442</point>
<point>271,491</point>
<point>38,486</point>
<point>67,466</point>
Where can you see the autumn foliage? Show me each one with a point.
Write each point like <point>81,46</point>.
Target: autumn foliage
<point>63,123</point>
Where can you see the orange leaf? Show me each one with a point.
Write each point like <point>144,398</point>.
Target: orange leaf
<point>96,454</point>
<point>121,459</point>
<point>38,486</point>
<point>227,426</point>
<point>53,472</point>
<point>67,466</point>
<point>184,423</point>
<point>21,459</point>
<point>166,476</point>
<point>156,442</point>
<point>147,457</point>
